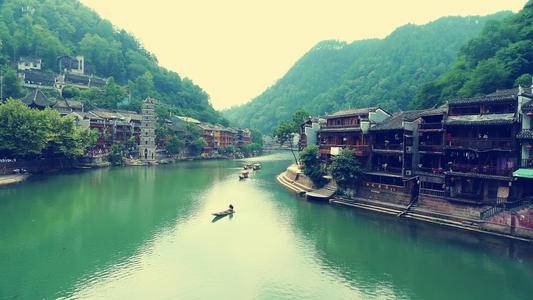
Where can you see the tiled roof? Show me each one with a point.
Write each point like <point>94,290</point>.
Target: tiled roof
<point>526,134</point>
<point>352,112</point>
<point>492,119</point>
<point>39,78</point>
<point>397,120</point>
<point>37,98</point>
<point>484,99</point>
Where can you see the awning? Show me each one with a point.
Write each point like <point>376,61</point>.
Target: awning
<point>524,173</point>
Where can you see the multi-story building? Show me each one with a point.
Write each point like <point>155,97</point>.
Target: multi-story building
<point>524,175</point>
<point>243,137</point>
<point>349,129</point>
<point>309,131</point>
<point>481,149</point>
<point>29,63</point>
<point>147,147</point>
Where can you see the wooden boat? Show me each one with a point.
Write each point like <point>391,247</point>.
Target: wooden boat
<point>248,166</point>
<point>244,174</point>
<point>224,213</point>
<point>257,166</point>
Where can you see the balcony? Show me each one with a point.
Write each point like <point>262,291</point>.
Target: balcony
<point>431,148</point>
<point>481,169</point>
<point>359,150</point>
<point>388,147</point>
<point>431,126</point>
<point>387,169</point>
<point>431,170</point>
<point>480,144</point>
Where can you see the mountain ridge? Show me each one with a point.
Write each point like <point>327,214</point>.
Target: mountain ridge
<point>334,75</point>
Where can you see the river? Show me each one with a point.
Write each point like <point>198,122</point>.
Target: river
<point>148,233</point>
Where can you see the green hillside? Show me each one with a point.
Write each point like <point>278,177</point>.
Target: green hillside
<point>501,57</point>
<point>48,29</point>
<point>335,75</point>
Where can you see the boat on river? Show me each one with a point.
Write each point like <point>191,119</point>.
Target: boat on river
<point>244,174</point>
<point>224,213</point>
<point>256,166</point>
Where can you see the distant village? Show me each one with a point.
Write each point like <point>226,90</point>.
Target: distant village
<point>121,126</point>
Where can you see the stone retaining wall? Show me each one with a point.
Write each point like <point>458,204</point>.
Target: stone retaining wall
<point>443,206</point>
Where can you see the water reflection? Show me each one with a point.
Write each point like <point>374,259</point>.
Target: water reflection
<point>149,233</point>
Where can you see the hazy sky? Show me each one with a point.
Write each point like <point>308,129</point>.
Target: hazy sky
<point>235,49</point>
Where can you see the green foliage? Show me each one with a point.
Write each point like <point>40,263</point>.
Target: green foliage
<point>312,167</point>
<point>283,133</point>
<point>335,75</point>
<point>500,57</point>
<point>197,145</point>
<point>257,137</point>
<point>50,28</point>
<point>252,149</point>
<point>70,92</point>
<point>345,169</point>
<point>11,84</point>
<point>116,154</point>
<point>26,132</point>
<point>174,145</point>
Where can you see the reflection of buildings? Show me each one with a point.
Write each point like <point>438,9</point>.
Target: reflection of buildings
<point>147,149</point>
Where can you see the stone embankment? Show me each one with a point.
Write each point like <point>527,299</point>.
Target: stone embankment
<point>517,224</point>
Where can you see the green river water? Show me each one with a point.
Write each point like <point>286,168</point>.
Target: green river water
<point>147,233</point>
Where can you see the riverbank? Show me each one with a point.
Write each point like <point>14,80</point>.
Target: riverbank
<point>12,179</point>
<point>517,224</point>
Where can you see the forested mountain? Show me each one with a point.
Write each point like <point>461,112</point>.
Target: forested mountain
<point>501,57</point>
<point>334,75</point>
<point>48,29</point>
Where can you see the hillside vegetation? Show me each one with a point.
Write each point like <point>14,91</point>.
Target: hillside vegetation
<point>501,57</point>
<point>48,29</point>
<point>334,75</point>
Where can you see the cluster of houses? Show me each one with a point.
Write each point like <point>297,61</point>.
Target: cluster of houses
<point>73,72</point>
<point>470,153</point>
<point>125,127</point>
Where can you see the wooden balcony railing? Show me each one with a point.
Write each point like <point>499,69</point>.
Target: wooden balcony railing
<point>431,126</point>
<point>431,170</point>
<point>506,144</point>
<point>387,146</point>
<point>481,169</point>
<point>430,148</point>
<point>388,169</point>
<point>433,192</point>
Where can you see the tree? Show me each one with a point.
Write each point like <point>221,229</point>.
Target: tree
<point>174,145</point>
<point>11,84</point>
<point>197,146</point>
<point>115,155</point>
<point>312,167</point>
<point>284,133</point>
<point>26,132</point>
<point>345,169</point>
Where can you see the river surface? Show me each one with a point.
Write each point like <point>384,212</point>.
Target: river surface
<point>148,233</point>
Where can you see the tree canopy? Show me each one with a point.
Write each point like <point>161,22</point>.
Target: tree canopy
<point>48,29</point>
<point>500,57</point>
<point>30,133</point>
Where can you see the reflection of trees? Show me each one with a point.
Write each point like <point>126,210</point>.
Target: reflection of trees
<point>69,227</point>
<point>413,259</point>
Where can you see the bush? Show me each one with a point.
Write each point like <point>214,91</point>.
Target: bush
<point>312,167</point>
<point>346,169</point>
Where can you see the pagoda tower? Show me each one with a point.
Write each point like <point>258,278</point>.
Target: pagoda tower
<point>147,151</point>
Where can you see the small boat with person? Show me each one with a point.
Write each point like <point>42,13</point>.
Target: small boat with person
<point>226,212</point>
<point>244,174</point>
<point>256,167</point>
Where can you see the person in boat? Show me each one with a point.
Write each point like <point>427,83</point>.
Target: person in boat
<point>230,208</point>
